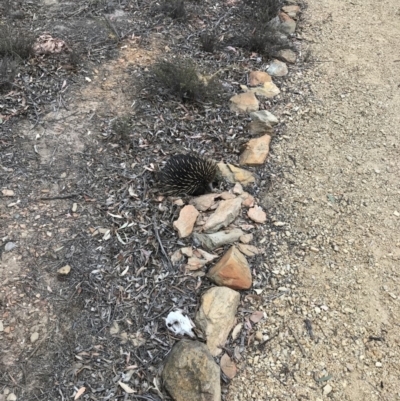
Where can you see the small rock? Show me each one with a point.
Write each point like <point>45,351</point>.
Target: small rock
<point>216,316</point>
<point>11,397</point>
<point>114,329</point>
<point>287,24</point>
<point>269,90</point>
<point>277,68</point>
<point>259,78</point>
<point>232,271</point>
<point>237,189</point>
<point>74,207</point>
<point>235,174</point>
<point>260,128</point>
<point>287,55</point>
<point>244,103</point>
<point>226,212</point>
<point>34,337</point>
<point>248,250</point>
<point>259,336</point>
<point>378,364</point>
<point>246,238</point>
<point>203,202</point>
<point>264,116</point>
<point>256,151</point>
<point>257,214</point>
<point>236,330</point>
<point>327,389</point>
<point>9,246</point>
<point>218,239</point>
<point>176,257</point>
<point>350,367</point>
<point>396,213</point>
<point>8,192</point>
<point>1,326</point>
<point>64,270</point>
<point>292,11</point>
<point>190,373</point>
<point>248,200</point>
<point>185,223</point>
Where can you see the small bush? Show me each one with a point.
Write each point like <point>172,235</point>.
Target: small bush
<point>181,79</point>
<point>174,9</point>
<point>264,10</point>
<point>265,41</point>
<point>122,128</point>
<point>7,73</point>
<point>208,42</point>
<point>15,43</point>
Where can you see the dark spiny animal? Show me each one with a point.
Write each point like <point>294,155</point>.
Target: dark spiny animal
<point>187,175</point>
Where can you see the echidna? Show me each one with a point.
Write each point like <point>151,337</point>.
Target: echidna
<point>187,175</point>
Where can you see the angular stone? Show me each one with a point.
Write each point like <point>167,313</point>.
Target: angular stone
<point>232,271</point>
<point>278,68</point>
<point>259,78</point>
<point>237,189</point>
<point>226,212</point>
<point>292,11</point>
<point>215,240</point>
<point>190,373</point>
<point>248,200</point>
<point>216,316</point>
<point>246,238</point>
<point>185,223</point>
<point>203,202</point>
<point>235,174</point>
<point>288,25</point>
<point>269,89</point>
<point>257,214</point>
<point>286,55</point>
<point>244,103</point>
<point>248,250</point>
<point>256,151</point>
<point>264,116</point>
<point>260,128</point>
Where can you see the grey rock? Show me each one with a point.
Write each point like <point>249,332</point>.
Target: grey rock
<point>220,238</point>
<point>277,68</point>
<point>264,116</point>
<point>190,373</point>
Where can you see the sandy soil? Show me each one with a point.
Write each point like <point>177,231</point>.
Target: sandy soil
<point>342,158</point>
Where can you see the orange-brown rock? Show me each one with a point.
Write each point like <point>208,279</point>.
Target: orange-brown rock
<point>232,271</point>
<point>244,103</point>
<point>258,78</point>
<point>257,214</point>
<point>235,174</point>
<point>256,151</point>
<point>226,212</point>
<point>185,223</point>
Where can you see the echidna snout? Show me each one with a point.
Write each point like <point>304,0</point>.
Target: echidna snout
<point>187,175</point>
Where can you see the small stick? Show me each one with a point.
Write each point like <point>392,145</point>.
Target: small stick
<point>160,243</point>
<point>59,197</point>
<point>298,343</point>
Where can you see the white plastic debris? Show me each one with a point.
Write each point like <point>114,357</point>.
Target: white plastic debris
<point>179,324</point>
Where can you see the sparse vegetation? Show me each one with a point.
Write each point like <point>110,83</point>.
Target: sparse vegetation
<point>265,41</point>
<point>264,10</point>
<point>181,79</point>
<point>7,73</point>
<point>122,127</point>
<point>174,9</point>
<point>208,42</point>
<point>14,43</point>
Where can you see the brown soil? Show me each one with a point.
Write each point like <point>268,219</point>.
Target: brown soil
<point>332,178</point>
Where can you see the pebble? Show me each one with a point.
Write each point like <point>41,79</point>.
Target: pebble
<point>378,364</point>
<point>11,397</point>
<point>317,310</point>
<point>1,326</point>
<point>34,337</point>
<point>327,389</point>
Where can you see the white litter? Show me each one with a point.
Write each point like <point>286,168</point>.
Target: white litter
<point>179,324</point>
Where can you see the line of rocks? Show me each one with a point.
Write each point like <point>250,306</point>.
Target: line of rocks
<point>215,220</point>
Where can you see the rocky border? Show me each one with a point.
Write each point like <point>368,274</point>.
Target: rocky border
<point>214,220</point>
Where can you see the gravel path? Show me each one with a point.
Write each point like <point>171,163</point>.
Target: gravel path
<point>333,334</point>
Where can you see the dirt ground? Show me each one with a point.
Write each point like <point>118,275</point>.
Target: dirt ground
<point>342,158</point>
<point>329,277</point>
